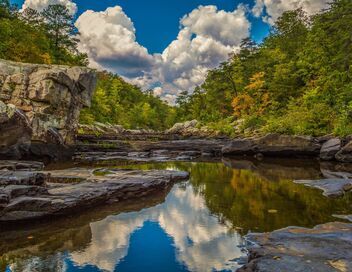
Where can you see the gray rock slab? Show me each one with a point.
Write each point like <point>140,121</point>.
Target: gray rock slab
<point>325,248</point>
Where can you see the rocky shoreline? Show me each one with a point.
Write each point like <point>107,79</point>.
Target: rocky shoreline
<point>31,195</point>
<point>326,247</point>
<point>188,137</point>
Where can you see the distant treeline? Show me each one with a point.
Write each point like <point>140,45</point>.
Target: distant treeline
<point>297,81</point>
<point>118,102</point>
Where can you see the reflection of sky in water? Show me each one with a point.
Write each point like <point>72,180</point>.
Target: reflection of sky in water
<point>178,235</point>
<point>198,241</point>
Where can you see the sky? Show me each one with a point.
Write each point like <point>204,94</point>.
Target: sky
<point>169,45</point>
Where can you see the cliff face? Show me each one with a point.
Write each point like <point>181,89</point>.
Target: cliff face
<point>40,106</point>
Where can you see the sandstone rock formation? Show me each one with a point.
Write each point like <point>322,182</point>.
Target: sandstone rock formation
<point>326,247</point>
<point>40,104</point>
<point>274,145</point>
<point>332,187</point>
<point>27,195</point>
<point>330,148</point>
<point>345,154</point>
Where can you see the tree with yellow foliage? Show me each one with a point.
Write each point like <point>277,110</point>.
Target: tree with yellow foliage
<point>255,100</point>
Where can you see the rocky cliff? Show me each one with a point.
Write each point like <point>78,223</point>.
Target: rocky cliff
<point>40,106</point>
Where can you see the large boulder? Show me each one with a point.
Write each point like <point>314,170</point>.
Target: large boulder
<point>326,247</point>
<point>274,145</point>
<point>330,148</point>
<point>345,154</point>
<point>41,104</point>
<point>182,128</point>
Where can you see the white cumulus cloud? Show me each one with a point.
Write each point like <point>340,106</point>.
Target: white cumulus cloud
<point>108,37</point>
<point>42,4</point>
<point>271,10</point>
<point>206,38</point>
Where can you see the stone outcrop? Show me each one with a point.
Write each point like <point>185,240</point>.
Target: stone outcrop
<point>21,165</point>
<point>330,148</point>
<point>183,131</point>
<point>326,247</point>
<point>40,106</point>
<point>274,145</point>
<point>332,187</point>
<point>345,154</point>
<point>191,129</point>
<point>26,195</point>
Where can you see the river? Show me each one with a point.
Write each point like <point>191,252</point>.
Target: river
<point>198,225</point>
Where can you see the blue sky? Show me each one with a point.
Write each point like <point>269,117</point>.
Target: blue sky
<point>169,45</point>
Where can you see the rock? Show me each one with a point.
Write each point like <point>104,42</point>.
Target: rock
<point>285,145</point>
<point>330,148</point>
<point>139,154</point>
<point>325,138</point>
<point>21,178</point>
<point>4,198</point>
<point>21,165</point>
<point>41,104</point>
<point>70,190</point>
<point>240,147</point>
<point>15,132</point>
<point>344,217</point>
<point>181,128</point>
<point>331,187</point>
<point>274,145</point>
<point>190,129</point>
<point>326,247</point>
<point>345,154</point>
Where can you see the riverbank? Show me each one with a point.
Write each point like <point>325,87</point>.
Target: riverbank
<point>187,137</point>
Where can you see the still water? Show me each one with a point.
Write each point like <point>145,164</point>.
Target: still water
<point>196,226</point>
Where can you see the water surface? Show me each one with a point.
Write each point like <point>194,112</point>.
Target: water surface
<point>197,226</point>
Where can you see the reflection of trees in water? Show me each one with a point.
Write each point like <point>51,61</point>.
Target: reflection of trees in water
<point>242,192</point>
<point>244,197</point>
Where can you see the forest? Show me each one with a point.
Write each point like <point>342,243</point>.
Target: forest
<point>298,80</point>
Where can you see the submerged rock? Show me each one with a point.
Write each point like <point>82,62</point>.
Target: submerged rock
<point>40,107</point>
<point>331,187</point>
<point>326,247</point>
<point>28,195</point>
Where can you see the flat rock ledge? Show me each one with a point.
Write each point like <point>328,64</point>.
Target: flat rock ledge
<point>333,187</point>
<point>27,195</point>
<point>325,248</point>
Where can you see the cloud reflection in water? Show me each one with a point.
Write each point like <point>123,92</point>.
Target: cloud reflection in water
<point>201,242</point>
